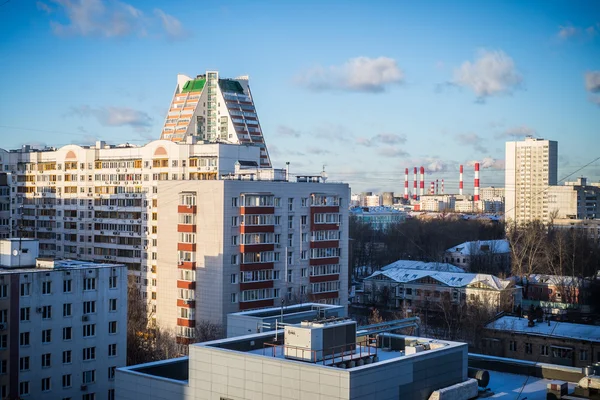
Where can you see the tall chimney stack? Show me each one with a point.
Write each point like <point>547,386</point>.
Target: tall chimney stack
<point>476,189</point>
<point>432,188</point>
<point>406,184</point>
<point>437,186</point>
<point>422,183</point>
<point>415,185</point>
<point>442,186</point>
<point>460,181</point>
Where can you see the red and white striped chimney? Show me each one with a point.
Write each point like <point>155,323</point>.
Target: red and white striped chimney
<point>476,189</point>
<point>406,184</point>
<point>422,184</point>
<point>442,186</point>
<point>460,181</point>
<point>415,185</point>
<point>437,186</point>
<point>432,187</point>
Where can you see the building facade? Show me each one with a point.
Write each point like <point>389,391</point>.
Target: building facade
<point>100,202</point>
<point>531,166</point>
<point>63,325</point>
<point>378,218</point>
<point>4,206</point>
<point>213,109</point>
<point>575,200</point>
<point>233,245</point>
<point>494,254</point>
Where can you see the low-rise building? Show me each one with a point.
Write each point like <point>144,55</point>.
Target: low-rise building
<point>399,287</point>
<point>63,325</point>
<point>311,360</point>
<point>491,254</point>
<point>551,342</point>
<point>378,217</point>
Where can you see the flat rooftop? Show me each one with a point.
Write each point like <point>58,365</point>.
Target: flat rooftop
<point>276,311</point>
<point>565,330</point>
<point>47,265</point>
<point>507,386</point>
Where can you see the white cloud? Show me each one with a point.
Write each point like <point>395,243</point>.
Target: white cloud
<point>172,26</point>
<point>361,74</point>
<point>488,163</point>
<point>492,73</point>
<point>568,31</point>
<point>109,18</point>
<point>518,131</point>
<point>592,81</point>
<point>284,130</point>
<point>392,152</point>
<point>381,139</point>
<point>332,132</point>
<point>472,139</point>
<point>116,116</point>
<point>43,7</point>
<point>313,150</point>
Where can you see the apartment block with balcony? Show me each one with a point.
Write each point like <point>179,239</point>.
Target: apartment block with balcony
<point>63,325</point>
<point>4,205</point>
<point>234,245</point>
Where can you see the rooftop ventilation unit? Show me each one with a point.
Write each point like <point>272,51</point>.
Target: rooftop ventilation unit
<point>315,341</point>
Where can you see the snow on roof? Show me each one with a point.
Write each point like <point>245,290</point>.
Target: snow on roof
<point>556,280</point>
<point>508,386</point>
<point>555,329</point>
<point>375,210</point>
<point>481,247</point>
<point>425,266</point>
<point>453,279</point>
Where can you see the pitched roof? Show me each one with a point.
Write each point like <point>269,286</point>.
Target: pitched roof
<point>555,329</point>
<point>481,247</point>
<point>424,266</point>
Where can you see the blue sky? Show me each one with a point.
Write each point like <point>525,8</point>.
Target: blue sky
<point>367,88</point>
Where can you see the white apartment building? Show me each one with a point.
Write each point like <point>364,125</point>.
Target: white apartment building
<point>4,206</point>
<point>214,109</point>
<point>62,325</point>
<point>491,192</point>
<point>239,244</point>
<point>100,202</point>
<point>531,166</point>
<point>575,200</point>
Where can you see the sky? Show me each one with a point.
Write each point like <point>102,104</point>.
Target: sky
<point>363,89</point>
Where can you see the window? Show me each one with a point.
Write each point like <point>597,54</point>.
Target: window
<point>112,350</point>
<point>111,373</point>
<point>25,314</point>
<point>89,307</point>
<point>234,259</point>
<point>290,222</point>
<point>3,291</point>
<point>513,345</point>
<point>3,341</point>
<point>3,368</point>
<point>304,272</point>
<point>544,350</point>
<point>234,240</point>
<point>46,335</point>
<point>66,381</point>
<point>89,396</point>
<point>24,363</point>
<point>89,353</point>
<point>25,289</point>
<point>89,284</point>
<point>67,310</point>
<point>234,297</point>
<point>46,312</point>
<point>234,221</point>
<point>66,357</point>
<point>304,219</point>
<point>112,305</point>
<point>111,394</point>
<point>47,287</point>
<point>112,282</point>
<point>45,384</point>
<point>528,348</point>
<point>89,330</point>
<point>67,333</point>
<point>89,376</point>
<point>583,355</point>
<point>112,327</point>
<point>46,360</point>
<point>233,278</point>
<point>67,285</point>
<point>23,388</point>
<point>24,339</point>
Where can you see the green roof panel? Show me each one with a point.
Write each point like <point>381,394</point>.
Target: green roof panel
<point>195,85</point>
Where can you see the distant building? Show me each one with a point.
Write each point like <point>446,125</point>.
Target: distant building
<point>553,288</point>
<point>491,192</point>
<point>378,217</point>
<point>575,200</point>
<point>372,201</point>
<point>312,360</point>
<point>63,325</point>
<point>264,320</point>
<point>437,202</point>
<point>398,287</point>
<point>423,266</point>
<point>4,206</point>
<point>551,342</point>
<point>589,227</point>
<point>531,166</point>
<point>387,199</point>
<point>492,253</point>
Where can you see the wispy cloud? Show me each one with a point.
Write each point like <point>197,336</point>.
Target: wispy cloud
<point>492,73</point>
<point>283,130</point>
<point>392,152</point>
<point>313,150</point>
<point>109,19</point>
<point>361,74</point>
<point>115,116</point>
<point>517,132</point>
<point>592,85</point>
<point>489,163</point>
<point>332,132</point>
<point>568,31</point>
<point>473,140</point>
<point>381,139</point>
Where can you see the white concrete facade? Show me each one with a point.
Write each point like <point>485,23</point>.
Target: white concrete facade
<point>232,245</point>
<point>531,166</point>
<point>65,329</point>
<point>575,200</point>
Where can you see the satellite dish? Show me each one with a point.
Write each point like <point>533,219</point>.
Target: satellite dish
<point>15,252</point>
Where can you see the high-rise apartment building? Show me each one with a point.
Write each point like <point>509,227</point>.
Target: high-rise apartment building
<point>531,166</point>
<point>214,109</point>
<point>4,206</point>
<point>62,325</point>
<point>232,245</point>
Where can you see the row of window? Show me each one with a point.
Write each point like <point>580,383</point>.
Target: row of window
<point>87,330</point>
<point>67,383</point>
<point>554,351</point>
<point>89,307</point>
<point>87,354</point>
<point>88,285</point>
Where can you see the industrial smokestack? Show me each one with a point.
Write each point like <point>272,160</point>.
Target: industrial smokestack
<point>432,188</point>
<point>437,187</point>
<point>422,183</point>
<point>406,184</point>
<point>415,185</point>
<point>476,189</point>
<point>460,181</point>
<point>442,186</point>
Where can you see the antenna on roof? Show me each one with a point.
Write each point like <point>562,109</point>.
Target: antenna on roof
<point>324,174</point>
